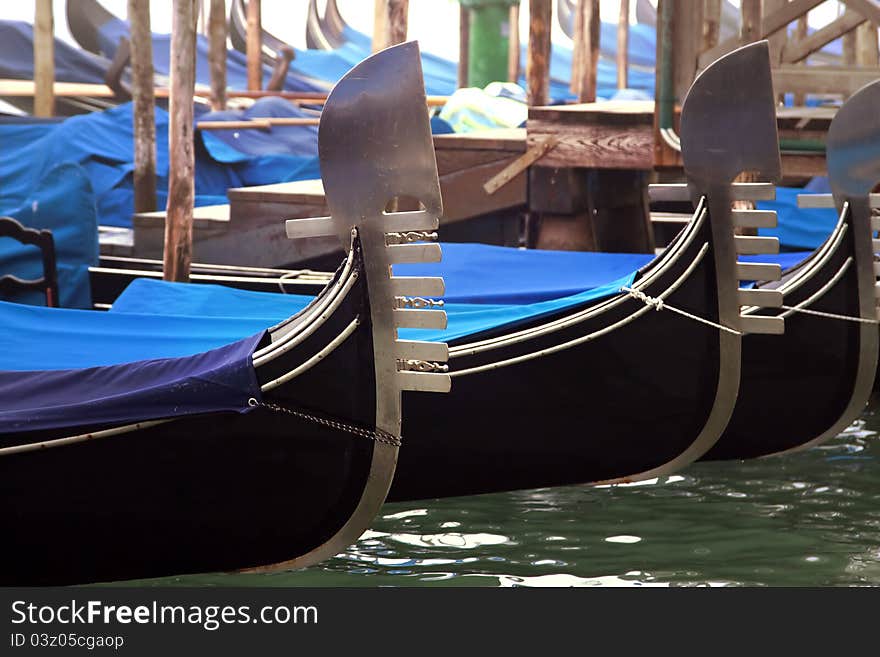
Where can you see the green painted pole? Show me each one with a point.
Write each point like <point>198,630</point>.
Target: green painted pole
<point>489,40</point>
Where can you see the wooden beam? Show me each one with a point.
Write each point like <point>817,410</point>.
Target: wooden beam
<point>769,24</point>
<point>623,45</point>
<point>181,158</point>
<point>750,27</point>
<point>534,153</point>
<point>588,50</point>
<point>538,62</point>
<point>711,23</point>
<point>389,23</point>
<point>257,124</point>
<point>866,45</point>
<point>867,8</point>
<point>576,52</point>
<point>254,45</point>
<point>44,58</point>
<point>800,98</point>
<point>513,46</point>
<point>144,105</point>
<point>821,79</point>
<point>687,28</point>
<point>806,45</point>
<point>464,50</point>
<point>217,53</point>
<point>849,44</point>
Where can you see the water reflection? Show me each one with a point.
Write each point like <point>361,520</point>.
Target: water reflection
<point>811,518</point>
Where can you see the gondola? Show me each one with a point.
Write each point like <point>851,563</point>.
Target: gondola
<point>97,30</point>
<point>575,390</point>
<point>322,32</point>
<point>821,376</point>
<point>270,452</point>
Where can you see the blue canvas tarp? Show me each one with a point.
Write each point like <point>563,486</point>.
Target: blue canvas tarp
<point>63,203</point>
<point>102,144</point>
<point>486,288</point>
<point>71,64</point>
<point>798,228</point>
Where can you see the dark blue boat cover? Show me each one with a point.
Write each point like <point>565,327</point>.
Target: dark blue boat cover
<point>63,203</point>
<point>71,64</point>
<point>61,367</point>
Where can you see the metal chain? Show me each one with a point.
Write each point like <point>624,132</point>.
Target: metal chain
<point>376,435</point>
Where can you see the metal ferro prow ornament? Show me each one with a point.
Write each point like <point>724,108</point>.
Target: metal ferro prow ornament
<point>375,146</point>
<point>736,93</point>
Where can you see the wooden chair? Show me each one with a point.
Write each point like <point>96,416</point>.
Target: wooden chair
<point>44,241</point>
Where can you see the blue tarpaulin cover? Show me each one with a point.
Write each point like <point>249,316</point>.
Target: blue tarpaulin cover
<point>71,64</point>
<point>800,228</point>
<point>102,144</point>
<point>62,367</point>
<point>251,309</point>
<point>478,299</point>
<point>63,203</point>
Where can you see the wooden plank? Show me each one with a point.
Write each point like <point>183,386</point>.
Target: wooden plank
<point>750,25</point>
<point>44,59</point>
<point>258,124</point>
<point>867,8</point>
<point>512,140</point>
<point>538,61</point>
<point>144,106</point>
<point>612,112</point>
<point>821,79</point>
<point>533,154</point>
<point>770,23</point>
<point>216,53</point>
<point>254,45</point>
<point>795,51</point>
<point>623,45</point>
<point>181,155</point>
<point>595,145</point>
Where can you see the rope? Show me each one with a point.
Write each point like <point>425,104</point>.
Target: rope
<point>819,313</point>
<point>658,305</point>
<point>376,434</point>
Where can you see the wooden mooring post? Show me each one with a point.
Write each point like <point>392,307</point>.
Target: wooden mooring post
<point>254,45</point>
<point>144,106</point>
<point>44,59</point>
<point>464,39</point>
<point>623,45</point>
<point>389,23</point>
<point>585,59</point>
<point>513,49</point>
<point>217,53</point>
<point>538,60</point>
<point>181,159</point>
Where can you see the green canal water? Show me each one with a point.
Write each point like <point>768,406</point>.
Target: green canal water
<point>811,518</point>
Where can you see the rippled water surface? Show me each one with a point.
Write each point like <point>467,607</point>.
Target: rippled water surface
<point>806,519</point>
